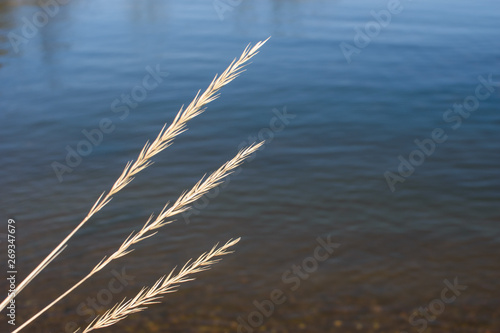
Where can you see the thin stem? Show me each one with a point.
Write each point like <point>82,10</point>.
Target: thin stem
<point>164,285</point>
<point>163,140</point>
<point>203,186</point>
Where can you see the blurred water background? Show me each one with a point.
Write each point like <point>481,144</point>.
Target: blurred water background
<point>354,104</point>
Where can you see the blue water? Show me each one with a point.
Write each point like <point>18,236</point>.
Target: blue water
<point>352,117</point>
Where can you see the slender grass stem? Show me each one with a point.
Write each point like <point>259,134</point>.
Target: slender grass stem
<point>163,140</point>
<point>166,284</point>
<point>182,204</point>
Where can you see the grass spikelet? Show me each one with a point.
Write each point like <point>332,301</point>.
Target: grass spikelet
<point>164,139</point>
<point>203,186</point>
<point>165,284</point>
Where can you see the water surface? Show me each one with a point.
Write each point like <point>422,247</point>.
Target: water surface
<point>321,176</point>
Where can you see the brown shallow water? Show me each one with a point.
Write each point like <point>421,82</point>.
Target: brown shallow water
<point>321,177</point>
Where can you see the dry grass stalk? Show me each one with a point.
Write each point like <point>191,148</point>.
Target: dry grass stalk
<point>162,141</point>
<point>203,186</point>
<point>164,285</point>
